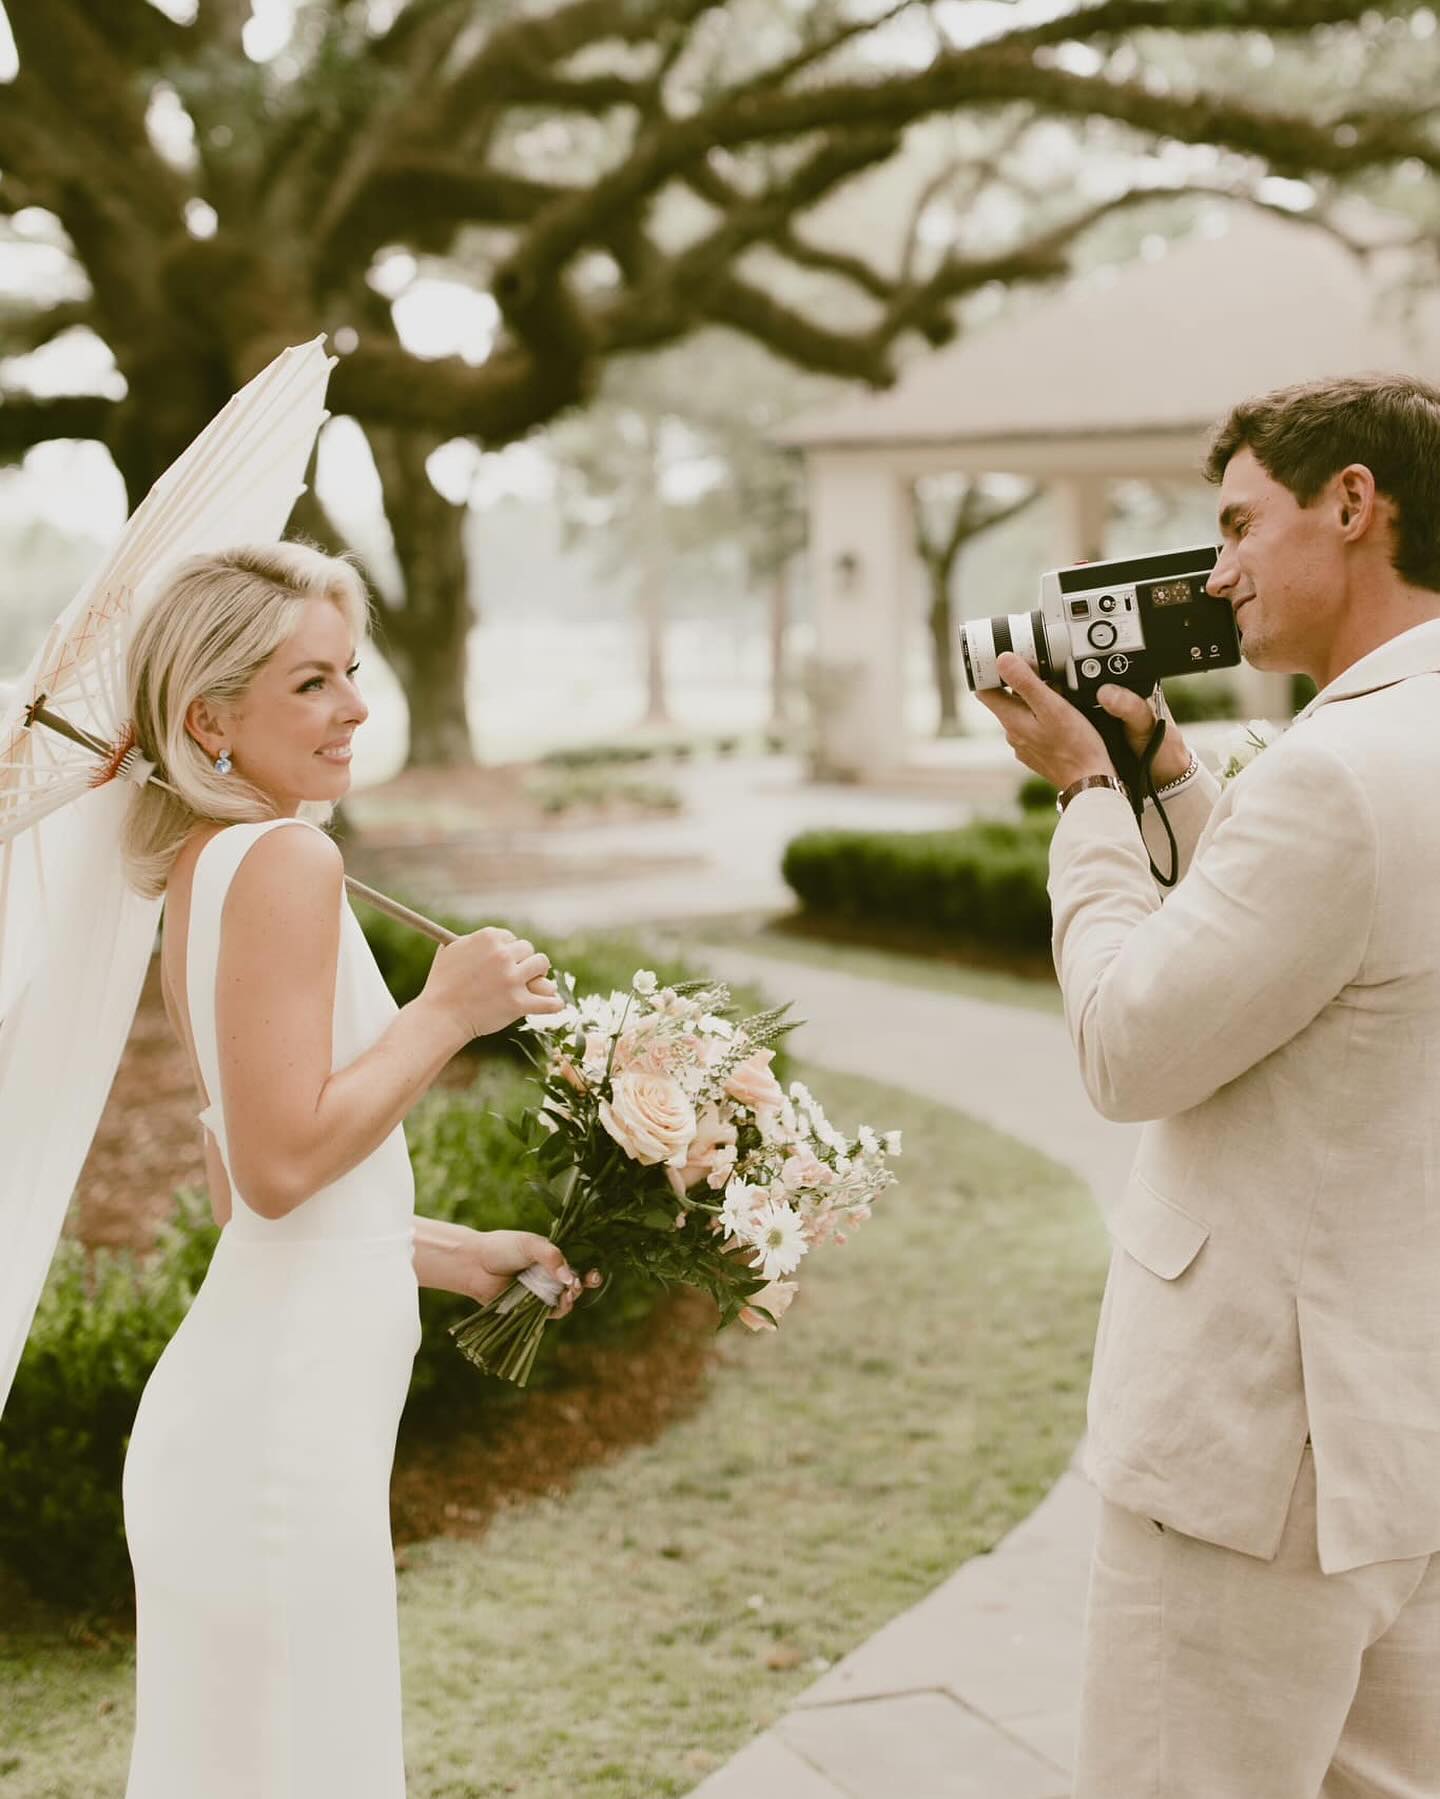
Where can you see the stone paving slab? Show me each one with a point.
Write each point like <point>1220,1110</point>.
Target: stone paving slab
<point>769,1768</point>
<point>920,1744</point>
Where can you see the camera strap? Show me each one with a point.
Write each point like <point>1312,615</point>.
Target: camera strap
<point>1137,775</point>
<point>1137,801</point>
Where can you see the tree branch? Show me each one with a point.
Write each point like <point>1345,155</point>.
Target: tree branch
<point>29,419</point>
<point>24,329</point>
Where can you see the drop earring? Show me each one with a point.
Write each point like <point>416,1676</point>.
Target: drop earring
<point>222,763</point>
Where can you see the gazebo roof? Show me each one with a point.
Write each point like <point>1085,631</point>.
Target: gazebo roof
<point>1164,346</point>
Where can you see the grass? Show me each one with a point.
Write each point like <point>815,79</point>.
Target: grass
<point>627,1638</point>
<point>791,942</point>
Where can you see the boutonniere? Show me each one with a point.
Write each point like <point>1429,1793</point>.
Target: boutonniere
<point>1242,749</point>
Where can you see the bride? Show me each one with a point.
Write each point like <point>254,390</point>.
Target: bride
<point>256,1483</point>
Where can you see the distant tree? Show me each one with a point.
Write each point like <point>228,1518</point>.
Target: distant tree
<point>949,512</point>
<point>616,174</point>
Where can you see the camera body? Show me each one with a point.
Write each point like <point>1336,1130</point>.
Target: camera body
<point>1128,622</point>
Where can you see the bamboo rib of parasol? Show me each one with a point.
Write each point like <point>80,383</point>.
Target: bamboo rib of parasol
<point>40,714</point>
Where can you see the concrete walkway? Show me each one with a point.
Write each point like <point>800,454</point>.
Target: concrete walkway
<point>973,1693</point>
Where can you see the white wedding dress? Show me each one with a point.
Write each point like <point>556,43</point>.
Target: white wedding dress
<point>257,1478</point>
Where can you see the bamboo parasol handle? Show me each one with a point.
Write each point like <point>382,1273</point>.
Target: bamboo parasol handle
<point>402,914</point>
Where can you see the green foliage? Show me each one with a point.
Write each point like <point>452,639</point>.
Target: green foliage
<point>1195,698</point>
<point>102,1322</point>
<point>1302,691</point>
<point>566,789</point>
<point>1037,795</point>
<point>985,881</point>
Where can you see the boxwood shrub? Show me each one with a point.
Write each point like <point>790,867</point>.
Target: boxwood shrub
<point>984,882</point>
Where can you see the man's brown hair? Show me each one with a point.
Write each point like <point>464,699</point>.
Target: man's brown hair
<point>1302,435</point>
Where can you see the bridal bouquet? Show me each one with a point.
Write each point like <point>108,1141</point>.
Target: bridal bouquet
<point>667,1147</point>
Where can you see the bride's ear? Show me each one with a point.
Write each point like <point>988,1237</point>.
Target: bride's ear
<point>202,724</point>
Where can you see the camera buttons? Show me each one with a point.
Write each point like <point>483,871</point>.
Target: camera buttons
<point>1079,608</point>
<point>1107,602</point>
<point>1090,668</point>
<point>1118,664</point>
<point>1102,634</point>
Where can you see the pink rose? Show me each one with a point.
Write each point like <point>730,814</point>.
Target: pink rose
<point>640,1051</point>
<point>752,1084</point>
<point>711,1150</point>
<point>776,1300</point>
<point>650,1117</point>
<point>804,1169</point>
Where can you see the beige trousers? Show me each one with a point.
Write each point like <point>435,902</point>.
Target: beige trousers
<point>1213,1675</point>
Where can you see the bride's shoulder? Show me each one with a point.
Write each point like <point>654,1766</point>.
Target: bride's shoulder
<point>280,860</point>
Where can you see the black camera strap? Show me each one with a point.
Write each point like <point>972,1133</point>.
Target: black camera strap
<point>1137,774</point>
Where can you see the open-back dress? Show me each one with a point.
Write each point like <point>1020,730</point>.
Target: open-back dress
<point>257,1478</point>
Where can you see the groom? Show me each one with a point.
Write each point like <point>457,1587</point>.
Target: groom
<point>1264,1418</point>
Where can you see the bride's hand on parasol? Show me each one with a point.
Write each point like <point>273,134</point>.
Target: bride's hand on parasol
<point>486,980</point>
<point>496,1257</point>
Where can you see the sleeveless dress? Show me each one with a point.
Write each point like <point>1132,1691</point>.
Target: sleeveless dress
<point>257,1479</point>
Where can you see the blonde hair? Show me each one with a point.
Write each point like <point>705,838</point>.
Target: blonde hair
<point>207,634</point>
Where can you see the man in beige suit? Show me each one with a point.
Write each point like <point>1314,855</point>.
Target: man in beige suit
<point>1264,1421</point>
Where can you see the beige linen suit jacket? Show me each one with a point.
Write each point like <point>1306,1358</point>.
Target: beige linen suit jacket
<point>1276,1264</point>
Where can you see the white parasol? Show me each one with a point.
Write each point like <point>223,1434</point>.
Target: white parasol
<point>75,939</point>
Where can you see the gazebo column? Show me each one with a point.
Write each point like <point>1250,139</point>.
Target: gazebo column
<point>860,549</point>
<point>1079,504</point>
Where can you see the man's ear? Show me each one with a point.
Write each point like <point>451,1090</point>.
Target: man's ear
<point>1355,497</point>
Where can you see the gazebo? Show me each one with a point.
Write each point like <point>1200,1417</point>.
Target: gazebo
<point>1116,378</point>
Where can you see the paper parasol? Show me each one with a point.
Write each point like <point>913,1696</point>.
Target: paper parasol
<point>75,939</point>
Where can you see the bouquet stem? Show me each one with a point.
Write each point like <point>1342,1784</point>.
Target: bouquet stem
<point>504,1335</point>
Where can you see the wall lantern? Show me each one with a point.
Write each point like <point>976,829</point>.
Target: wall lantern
<point>847,572</point>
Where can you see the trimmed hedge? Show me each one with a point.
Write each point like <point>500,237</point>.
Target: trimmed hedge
<point>1194,698</point>
<point>984,881</point>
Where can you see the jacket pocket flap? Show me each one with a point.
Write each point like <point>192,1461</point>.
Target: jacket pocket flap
<point>1155,1231</point>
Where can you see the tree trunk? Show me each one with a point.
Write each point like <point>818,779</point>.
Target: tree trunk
<point>652,620</point>
<point>779,591</point>
<point>432,674</point>
<point>942,644</point>
<point>425,639</point>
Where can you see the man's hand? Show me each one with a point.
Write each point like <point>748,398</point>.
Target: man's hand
<point>1058,742</point>
<point>1046,732</point>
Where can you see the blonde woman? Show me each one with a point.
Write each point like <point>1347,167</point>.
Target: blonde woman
<point>257,1479</point>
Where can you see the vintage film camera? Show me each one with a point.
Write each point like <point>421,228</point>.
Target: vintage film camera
<point>1130,622</point>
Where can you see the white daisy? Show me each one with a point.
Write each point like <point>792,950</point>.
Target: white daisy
<point>892,1143</point>
<point>779,1240</point>
<point>738,1212</point>
<point>644,982</point>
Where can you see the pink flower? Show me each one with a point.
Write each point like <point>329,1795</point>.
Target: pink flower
<point>650,1117</point>
<point>641,1051</point>
<point>776,1300</point>
<point>711,1150</point>
<point>803,1168</point>
<point>752,1084</point>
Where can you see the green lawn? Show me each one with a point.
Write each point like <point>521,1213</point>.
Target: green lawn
<point>763,938</point>
<point>620,1642</point>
